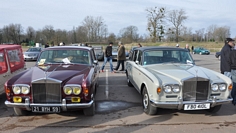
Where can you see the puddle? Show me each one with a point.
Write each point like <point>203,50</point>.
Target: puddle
<point>110,106</point>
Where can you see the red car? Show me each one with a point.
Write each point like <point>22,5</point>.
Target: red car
<point>11,62</point>
<point>64,78</point>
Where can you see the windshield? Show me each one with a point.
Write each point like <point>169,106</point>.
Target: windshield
<point>165,56</point>
<point>64,56</point>
<point>34,50</point>
<point>114,49</point>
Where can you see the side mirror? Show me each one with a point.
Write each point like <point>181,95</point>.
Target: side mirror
<point>95,62</point>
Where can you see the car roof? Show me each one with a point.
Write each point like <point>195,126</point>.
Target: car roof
<point>159,48</point>
<point>67,47</point>
<point>10,46</point>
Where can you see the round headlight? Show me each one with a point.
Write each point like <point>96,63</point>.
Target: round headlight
<point>16,90</point>
<point>76,90</point>
<point>222,87</point>
<point>214,87</point>
<point>175,88</point>
<point>67,90</point>
<point>25,90</point>
<point>167,89</point>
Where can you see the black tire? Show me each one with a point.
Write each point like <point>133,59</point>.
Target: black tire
<point>147,107</point>
<point>20,112</point>
<point>90,111</point>
<point>128,82</point>
<point>214,109</point>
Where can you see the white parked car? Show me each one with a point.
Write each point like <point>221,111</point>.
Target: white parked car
<point>167,77</point>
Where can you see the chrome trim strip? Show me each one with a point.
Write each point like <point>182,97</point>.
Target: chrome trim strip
<point>179,104</point>
<point>63,105</point>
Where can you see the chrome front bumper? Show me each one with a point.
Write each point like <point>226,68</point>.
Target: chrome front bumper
<point>180,103</point>
<point>64,106</point>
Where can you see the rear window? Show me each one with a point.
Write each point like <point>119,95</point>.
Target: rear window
<point>3,64</point>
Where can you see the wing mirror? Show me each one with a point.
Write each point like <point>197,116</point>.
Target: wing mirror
<point>95,62</point>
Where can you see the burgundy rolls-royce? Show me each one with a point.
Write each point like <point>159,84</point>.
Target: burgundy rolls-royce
<point>64,78</point>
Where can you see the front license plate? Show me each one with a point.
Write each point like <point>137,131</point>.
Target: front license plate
<point>197,106</point>
<point>46,109</point>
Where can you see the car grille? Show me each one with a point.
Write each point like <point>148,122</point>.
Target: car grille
<point>46,93</point>
<point>195,89</point>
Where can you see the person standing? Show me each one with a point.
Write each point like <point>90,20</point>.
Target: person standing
<point>121,57</point>
<point>225,65</point>
<point>187,47</point>
<point>108,57</point>
<point>139,45</point>
<point>233,73</point>
<point>192,48</point>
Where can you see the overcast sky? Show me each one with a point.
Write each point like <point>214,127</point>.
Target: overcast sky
<point>117,14</point>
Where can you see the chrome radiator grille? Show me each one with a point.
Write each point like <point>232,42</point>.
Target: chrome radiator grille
<point>46,93</point>
<point>195,89</point>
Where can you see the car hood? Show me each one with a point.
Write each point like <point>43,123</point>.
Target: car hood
<point>114,53</point>
<point>173,72</point>
<point>31,52</point>
<point>60,73</point>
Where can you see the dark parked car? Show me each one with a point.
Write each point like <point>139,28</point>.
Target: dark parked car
<point>201,51</point>
<point>217,55</point>
<point>99,52</point>
<point>32,53</point>
<point>131,50</point>
<point>64,78</point>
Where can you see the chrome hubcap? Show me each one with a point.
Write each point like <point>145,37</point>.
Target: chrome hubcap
<point>145,101</point>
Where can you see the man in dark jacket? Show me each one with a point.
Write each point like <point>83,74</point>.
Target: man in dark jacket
<point>225,57</point>
<point>121,57</point>
<point>233,73</point>
<point>108,57</point>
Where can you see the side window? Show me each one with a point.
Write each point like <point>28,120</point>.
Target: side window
<point>3,64</point>
<point>134,57</point>
<point>140,54</point>
<point>15,59</point>
<point>93,55</point>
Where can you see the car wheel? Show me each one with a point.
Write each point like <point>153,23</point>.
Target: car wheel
<point>200,53</point>
<point>20,112</point>
<point>147,107</point>
<point>219,57</point>
<point>90,111</point>
<point>128,81</point>
<point>193,52</point>
<point>214,109</point>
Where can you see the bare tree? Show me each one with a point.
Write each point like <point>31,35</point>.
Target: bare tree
<point>111,37</point>
<point>199,35</point>
<point>221,33</point>
<point>155,18</point>
<point>15,32</point>
<point>48,32</point>
<point>30,33</point>
<point>95,28</point>
<point>210,32</point>
<point>129,34</point>
<point>82,34</point>
<point>176,17</point>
